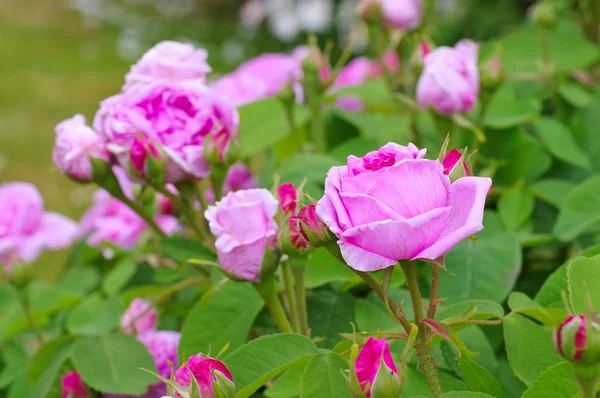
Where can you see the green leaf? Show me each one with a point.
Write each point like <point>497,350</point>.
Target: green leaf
<point>261,360</point>
<point>20,388</point>
<point>416,384</point>
<point>14,361</point>
<point>529,347</point>
<point>379,127</point>
<point>118,277</point>
<point>372,315</point>
<point>95,316</point>
<point>520,303</point>
<point>515,207</point>
<point>478,310</point>
<point>286,385</point>
<point>477,341</point>
<point>113,363</point>
<point>81,280</point>
<point>585,129</point>
<point>330,314</point>
<point>483,269</point>
<point>323,268</point>
<point>575,95</point>
<point>312,166</point>
<point>46,364</point>
<point>183,249</point>
<point>552,190</point>
<point>324,377</point>
<point>478,378</point>
<point>355,146</point>
<point>561,143</point>
<point>10,309</point>
<point>372,92</point>
<point>511,384</point>
<point>583,278</point>
<point>263,123</point>
<point>579,210</point>
<point>557,382</point>
<point>221,317</point>
<point>506,111</point>
<point>466,394</point>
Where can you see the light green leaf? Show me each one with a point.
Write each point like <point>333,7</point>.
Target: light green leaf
<point>579,210</point>
<point>478,378</point>
<point>286,385</point>
<point>511,384</point>
<point>585,129</point>
<point>323,268</point>
<point>583,278</point>
<point>529,347</point>
<point>118,277</point>
<point>80,280</point>
<point>575,95</point>
<point>183,249</point>
<point>520,303</point>
<point>483,269</point>
<point>324,377</point>
<point>45,365</point>
<point>379,127</point>
<point>261,360</point>
<point>372,92</point>
<point>478,310</point>
<point>466,394</point>
<point>14,360</point>
<point>515,207</point>
<point>561,143</point>
<point>312,166</point>
<point>224,316</point>
<point>10,309</point>
<point>552,190</point>
<point>330,314</point>
<point>506,111</point>
<point>95,316</point>
<point>557,381</point>
<point>113,363</point>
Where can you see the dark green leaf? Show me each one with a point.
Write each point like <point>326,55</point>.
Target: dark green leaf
<point>324,377</point>
<point>286,385</point>
<point>556,381</point>
<point>579,210</point>
<point>312,166</point>
<point>330,314</point>
<point>515,207</point>
<point>182,249</point>
<point>478,378</point>
<point>323,268</point>
<point>561,143</point>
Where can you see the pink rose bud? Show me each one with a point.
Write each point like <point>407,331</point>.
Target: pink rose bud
<point>73,386</point>
<point>450,78</point>
<point>455,165</point>
<point>208,372</point>
<point>311,227</point>
<point>241,246</point>
<point>402,14</point>
<point>296,239</point>
<point>169,62</point>
<point>26,230</point>
<point>394,195</point>
<point>288,198</point>
<point>139,318</point>
<point>578,340</point>
<point>239,177</point>
<point>75,144</point>
<point>138,154</point>
<point>376,371</point>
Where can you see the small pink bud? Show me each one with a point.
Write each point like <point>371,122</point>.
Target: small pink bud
<point>73,386</point>
<point>424,49</point>
<point>455,166</point>
<point>288,198</point>
<point>376,371</point>
<point>577,339</point>
<point>312,229</point>
<point>139,153</point>
<point>139,318</point>
<point>296,237</point>
<point>208,372</point>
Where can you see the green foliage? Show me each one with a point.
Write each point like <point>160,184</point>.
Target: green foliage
<point>95,316</point>
<point>556,381</point>
<point>324,377</point>
<point>330,314</point>
<point>478,378</point>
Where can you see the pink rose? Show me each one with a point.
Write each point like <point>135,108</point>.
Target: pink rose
<point>239,177</point>
<point>26,230</point>
<point>402,14</point>
<point>241,245</point>
<point>73,386</point>
<point>75,144</point>
<point>169,62</point>
<point>450,79</point>
<point>393,205</point>
<point>241,88</point>
<point>376,371</point>
<point>163,346</point>
<point>205,371</point>
<point>175,118</point>
<point>139,318</point>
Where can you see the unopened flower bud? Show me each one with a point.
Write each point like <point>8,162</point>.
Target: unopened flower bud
<point>73,386</point>
<point>212,376</point>
<point>491,73</point>
<point>288,198</point>
<point>376,371</point>
<point>577,339</point>
<point>313,230</point>
<point>544,15</point>
<point>455,166</point>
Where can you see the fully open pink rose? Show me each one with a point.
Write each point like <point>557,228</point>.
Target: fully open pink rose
<point>450,79</point>
<point>168,62</point>
<point>140,317</point>
<point>393,205</point>
<point>243,223</point>
<point>75,144</point>
<point>375,369</point>
<point>26,230</point>
<point>175,118</point>
<point>402,14</point>
<point>205,370</point>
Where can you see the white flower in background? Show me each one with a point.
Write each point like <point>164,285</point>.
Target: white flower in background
<point>315,15</point>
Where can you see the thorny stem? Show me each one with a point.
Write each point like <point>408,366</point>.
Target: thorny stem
<point>435,286</point>
<point>422,342</point>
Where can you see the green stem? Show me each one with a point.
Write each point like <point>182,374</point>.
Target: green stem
<point>435,286</point>
<point>317,127</point>
<point>299,272</point>
<point>268,291</point>
<point>288,280</point>
<point>29,316</point>
<point>187,211</point>
<point>139,209</point>
<point>422,342</point>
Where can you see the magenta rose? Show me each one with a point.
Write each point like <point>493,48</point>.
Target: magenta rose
<point>242,245</point>
<point>139,318</point>
<point>450,79</point>
<point>175,118</point>
<point>75,144</point>
<point>205,370</point>
<point>394,205</point>
<point>26,230</point>
<point>72,386</point>
<point>376,371</point>
<point>402,14</point>
<point>169,62</point>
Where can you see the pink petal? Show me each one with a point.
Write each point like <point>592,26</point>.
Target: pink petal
<point>467,198</point>
<point>244,223</point>
<point>244,261</point>
<point>58,231</point>
<point>364,209</point>
<point>330,208</point>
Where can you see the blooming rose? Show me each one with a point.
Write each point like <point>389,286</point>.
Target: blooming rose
<point>140,317</point>
<point>205,371</point>
<point>402,14</point>
<point>175,117</point>
<point>243,224</point>
<point>73,386</point>
<point>376,371</point>
<point>239,177</point>
<point>450,79</point>
<point>394,205</point>
<point>25,228</point>
<point>75,144</point>
<point>169,61</point>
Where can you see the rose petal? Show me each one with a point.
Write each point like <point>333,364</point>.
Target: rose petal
<point>364,209</point>
<point>330,208</point>
<point>244,261</point>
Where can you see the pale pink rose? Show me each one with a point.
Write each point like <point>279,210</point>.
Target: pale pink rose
<point>175,118</point>
<point>239,177</point>
<point>241,88</point>
<point>393,205</point>
<point>26,230</point>
<point>204,370</point>
<point>163,346</point>
<point>241,245</point>
<point>375,369</point>
<point>450,78</point>
<point>74,145</point>
<point>139,318</point>
<point>402,14</point>
<point>72,386</point>
<point>169,62</point>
